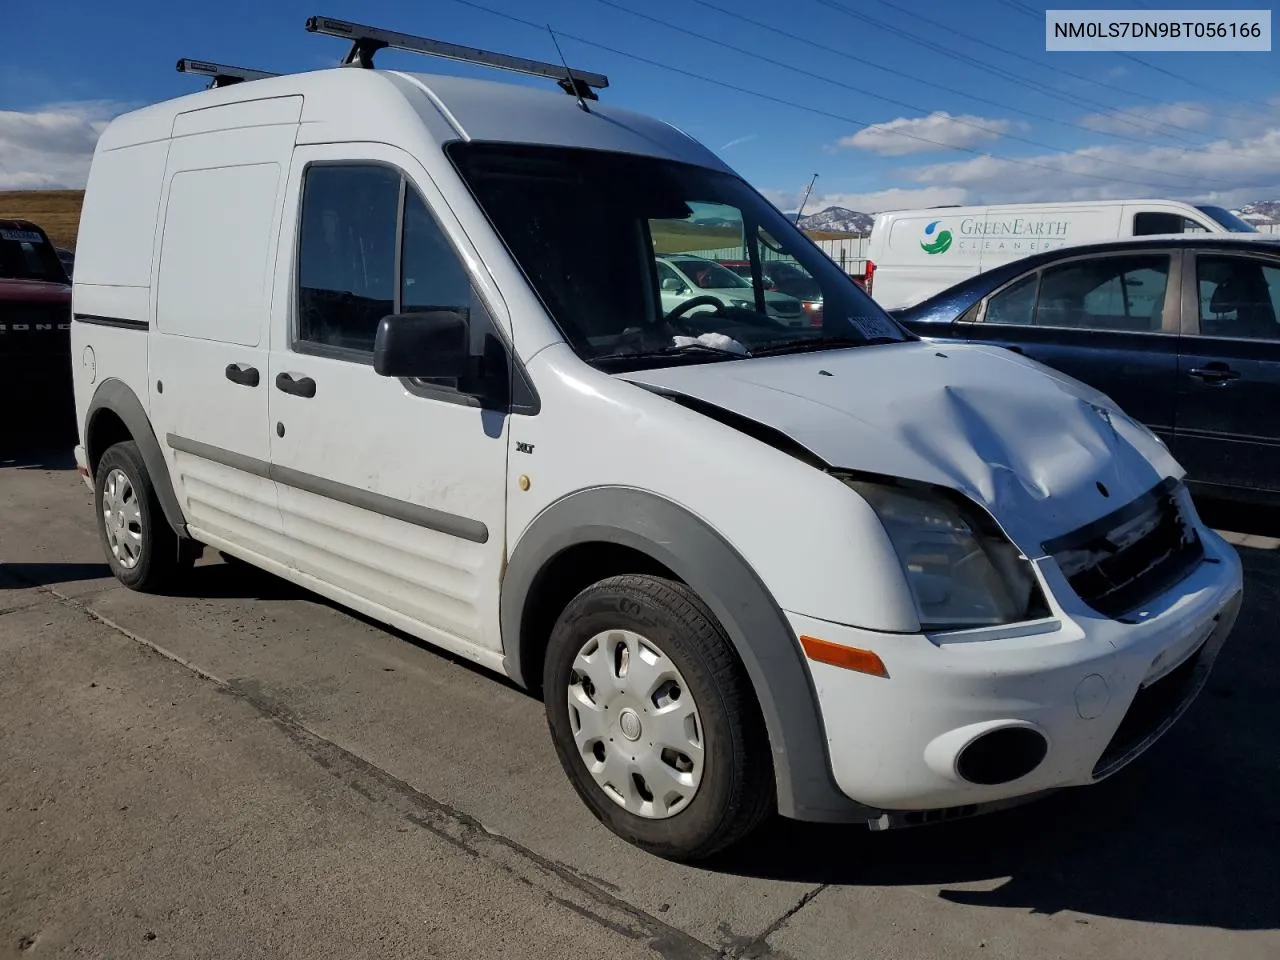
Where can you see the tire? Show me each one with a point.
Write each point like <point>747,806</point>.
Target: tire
<point>142,550</point>
<point>669,632</point>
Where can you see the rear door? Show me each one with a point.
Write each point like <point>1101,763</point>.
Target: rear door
<point>1228,396</point>
<point>1110,320</point>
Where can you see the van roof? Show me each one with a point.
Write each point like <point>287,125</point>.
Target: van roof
<point>959,210</point>
<point>366,101</point>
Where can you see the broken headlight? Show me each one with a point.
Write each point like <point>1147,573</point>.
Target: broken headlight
<point>962,570</point>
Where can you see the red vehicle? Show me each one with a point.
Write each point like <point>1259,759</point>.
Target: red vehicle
<point>35,332</point>
<point>785,277</point>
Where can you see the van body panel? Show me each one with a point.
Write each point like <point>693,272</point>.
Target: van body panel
<point>221,220</point>
<point>918,253</point>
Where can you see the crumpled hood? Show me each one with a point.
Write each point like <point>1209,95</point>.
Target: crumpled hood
<point>1035,447</point>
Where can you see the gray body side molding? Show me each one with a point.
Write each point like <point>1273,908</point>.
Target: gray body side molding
<point>116,396</point>
<point>729,586</point>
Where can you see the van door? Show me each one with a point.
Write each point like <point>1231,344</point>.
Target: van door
<point>219,229</point>
<point>1110,320</point>
<point>392,492</point>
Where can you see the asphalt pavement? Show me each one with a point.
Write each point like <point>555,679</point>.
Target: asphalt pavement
<point>245,770</point>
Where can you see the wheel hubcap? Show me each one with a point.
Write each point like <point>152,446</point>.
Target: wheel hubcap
<point>635,724</point>
<point>122,519</point>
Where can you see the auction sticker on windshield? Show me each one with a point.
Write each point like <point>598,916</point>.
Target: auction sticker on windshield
<point>876,327</point>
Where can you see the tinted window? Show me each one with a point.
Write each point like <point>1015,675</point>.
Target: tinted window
<point>431,277</point>
<point>1239,297</point>
<point>1155,224</point>
<point>347,254</point>
<point>1015,304</point>
<point>1110,293</point>
<point>26,255</point>
<point>1228,219</point>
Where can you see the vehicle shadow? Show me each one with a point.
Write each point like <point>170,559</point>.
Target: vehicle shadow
<point>39,458</point>
<point>14,576</point>
<point>1188,834</point>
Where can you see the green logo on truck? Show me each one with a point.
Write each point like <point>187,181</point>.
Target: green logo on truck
<point>939,244</point>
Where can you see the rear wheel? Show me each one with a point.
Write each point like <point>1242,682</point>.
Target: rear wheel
<point>143,551</point>
<point>653,718</point>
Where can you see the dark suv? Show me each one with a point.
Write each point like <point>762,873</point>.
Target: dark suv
<point>35,334</point>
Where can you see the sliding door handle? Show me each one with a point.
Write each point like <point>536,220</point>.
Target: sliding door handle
<point>244,375</point>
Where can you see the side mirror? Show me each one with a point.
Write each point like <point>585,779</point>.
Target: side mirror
<point>672,285</point>
<point>424,345</point>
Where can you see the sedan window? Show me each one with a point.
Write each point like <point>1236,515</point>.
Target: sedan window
<point>1239,298</point>
<point>1109,293</point>
<point>1014,304</point>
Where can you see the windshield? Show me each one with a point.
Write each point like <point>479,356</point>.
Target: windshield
<point>624,252</point>
<point>1228,219</point>
<point>25,254</point>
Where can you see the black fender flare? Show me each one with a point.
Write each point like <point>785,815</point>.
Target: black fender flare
<point>713,569</point>
<point>119,398</point>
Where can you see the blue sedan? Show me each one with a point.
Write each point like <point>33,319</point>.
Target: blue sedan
<point>1182,332</point>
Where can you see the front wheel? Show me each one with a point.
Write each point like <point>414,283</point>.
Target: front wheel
<point>654,720</point>
<point>143,551</point>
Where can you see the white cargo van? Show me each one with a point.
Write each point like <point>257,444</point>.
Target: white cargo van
<point>399,339</point>
<point>913,254</point>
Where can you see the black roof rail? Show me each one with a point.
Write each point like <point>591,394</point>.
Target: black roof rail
<point>221,74</point>
<point>366,41</point>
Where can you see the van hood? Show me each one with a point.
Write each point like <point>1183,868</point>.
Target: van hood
<point>1044,453</point>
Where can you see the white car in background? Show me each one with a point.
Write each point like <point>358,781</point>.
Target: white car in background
<point>685,276</point>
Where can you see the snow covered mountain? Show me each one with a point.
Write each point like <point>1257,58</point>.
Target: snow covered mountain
<point>1261,212</point>
<point>838,220</point>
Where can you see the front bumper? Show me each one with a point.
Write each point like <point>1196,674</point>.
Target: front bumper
<point>1099,691</point>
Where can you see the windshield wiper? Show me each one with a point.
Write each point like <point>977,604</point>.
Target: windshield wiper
<point>669,352</point>
<point>819,343</point>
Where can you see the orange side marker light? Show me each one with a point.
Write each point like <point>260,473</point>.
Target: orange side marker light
<point>838,655</point>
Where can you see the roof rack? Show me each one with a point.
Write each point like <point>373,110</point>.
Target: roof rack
<point>366,41</point>
<point>223,75</point>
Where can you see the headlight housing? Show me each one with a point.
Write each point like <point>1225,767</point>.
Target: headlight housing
<point>962,571</point>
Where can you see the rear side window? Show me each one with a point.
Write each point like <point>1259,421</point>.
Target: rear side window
<point>1239,298</point>
<point>347,254</point>
<point>27,255</point>
<point>1015,304</point>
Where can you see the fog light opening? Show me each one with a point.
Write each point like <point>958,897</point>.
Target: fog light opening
<point>1001,756</point>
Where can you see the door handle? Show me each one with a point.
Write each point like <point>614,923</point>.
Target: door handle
<point>245,376</point>
<point>1215,374</point>
<point>301,387</point>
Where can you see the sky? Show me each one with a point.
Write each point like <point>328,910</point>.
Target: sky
<point>893,103</point>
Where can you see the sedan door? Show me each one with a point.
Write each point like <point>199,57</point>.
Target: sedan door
<point>1109,320</point>
<point>1228,430</point>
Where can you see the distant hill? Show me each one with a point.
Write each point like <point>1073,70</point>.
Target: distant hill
<point>56,211</point>
<point>1261,212</point>
<point>838,220</point>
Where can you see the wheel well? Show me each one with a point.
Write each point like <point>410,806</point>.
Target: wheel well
<point>105,430</point>
<point>566,575</point>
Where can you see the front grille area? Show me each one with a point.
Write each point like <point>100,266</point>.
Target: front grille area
<point>1152,711</point>
<point>1129,557</point>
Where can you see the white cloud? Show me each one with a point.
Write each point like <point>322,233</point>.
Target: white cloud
<point>894,198</point>
<point>50,147</point>
<point>1159,120</point>
<point>1226,171</point>
<point>897,138</point>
